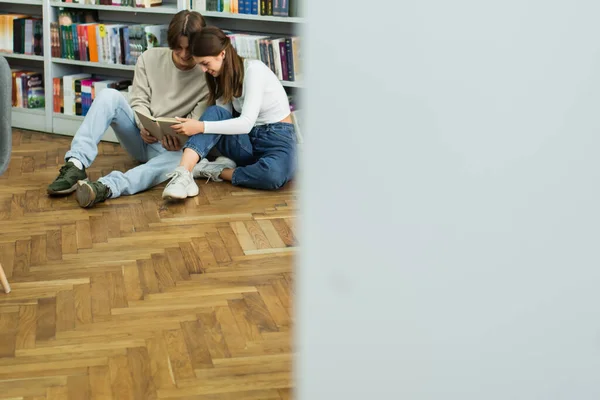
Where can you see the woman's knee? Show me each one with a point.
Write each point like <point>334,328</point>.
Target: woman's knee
<point>276,182</point>
<point>276,178</point>
<point>215,113</point>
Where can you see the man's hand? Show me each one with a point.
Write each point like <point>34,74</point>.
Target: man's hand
<point>146,137</point>
<point>171,143</point>
<point>188,126</point>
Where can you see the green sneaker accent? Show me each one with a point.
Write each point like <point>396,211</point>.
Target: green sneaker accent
<point>67,179</point>
<point>90,193</point>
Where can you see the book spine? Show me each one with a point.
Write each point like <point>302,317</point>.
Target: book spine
<point>75,42</point>
<point>24,86</point>
<point>77,109</point>
<point>290,61</point>
<point>56,94</point>
<point>63,42</point>
<point>283,55</point>
<point>297,58</point>
<point>38,42</point>
<point>17,39</point>
<point>271,56</point>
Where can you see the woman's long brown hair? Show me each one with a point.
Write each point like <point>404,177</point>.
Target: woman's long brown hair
<point>210,42</point>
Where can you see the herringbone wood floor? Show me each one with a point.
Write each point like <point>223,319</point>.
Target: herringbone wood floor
<point>142,299</point>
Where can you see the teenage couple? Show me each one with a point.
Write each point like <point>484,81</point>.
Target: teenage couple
<point>201,78</point>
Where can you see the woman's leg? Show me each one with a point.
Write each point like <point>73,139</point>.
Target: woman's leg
<point>274,147</point>
<point>182,184</point>
<point>202,143</point>
<point>236,151</point>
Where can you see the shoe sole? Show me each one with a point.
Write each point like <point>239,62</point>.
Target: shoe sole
<point>84,194</point>
<point>171,198</point>
<point>65,191</point>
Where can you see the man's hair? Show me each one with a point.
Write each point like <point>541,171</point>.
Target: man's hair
<point>184,24</point>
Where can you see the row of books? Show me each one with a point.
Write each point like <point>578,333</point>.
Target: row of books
<point>81,36</point>
<point>27,88</point>
<point>123,44</point>
<point>105,43</point>
<point>118,3</point>
<point>73,94</point>
<point>279,8</point>
<point>20,33</point>
<point>281,54</point>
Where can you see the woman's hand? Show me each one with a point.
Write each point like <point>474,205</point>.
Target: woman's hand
<point>188,126</point>
<point>146,137</point>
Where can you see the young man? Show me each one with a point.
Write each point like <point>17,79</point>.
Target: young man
<point>167,83</point>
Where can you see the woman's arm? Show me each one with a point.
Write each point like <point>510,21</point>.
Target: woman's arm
<point>192,126</point>
<point>254,86</point>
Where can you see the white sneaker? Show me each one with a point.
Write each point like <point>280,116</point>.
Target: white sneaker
<point>181,186</point>
<point>212,170</point>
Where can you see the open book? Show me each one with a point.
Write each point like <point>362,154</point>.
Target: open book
<point>159,127</point>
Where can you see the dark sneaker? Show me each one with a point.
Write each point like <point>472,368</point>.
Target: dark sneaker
<point>66,182</point>
<point>90,193</point>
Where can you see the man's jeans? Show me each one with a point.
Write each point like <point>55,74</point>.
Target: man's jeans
<point>266,157</point>
<point>111,108</point>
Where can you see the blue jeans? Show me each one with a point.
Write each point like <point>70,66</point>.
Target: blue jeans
<point>111,108</point>
<point>266,157</point>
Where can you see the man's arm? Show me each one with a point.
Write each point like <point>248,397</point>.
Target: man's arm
<point>140,91</point>
<point>200,106</point>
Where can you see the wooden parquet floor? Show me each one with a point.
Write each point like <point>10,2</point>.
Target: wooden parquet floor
<point>141,299</point>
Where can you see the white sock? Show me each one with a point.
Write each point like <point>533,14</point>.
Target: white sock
<point>75,161</point>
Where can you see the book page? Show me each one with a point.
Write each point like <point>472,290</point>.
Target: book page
<point>165,126</point>
<point>150,125</point>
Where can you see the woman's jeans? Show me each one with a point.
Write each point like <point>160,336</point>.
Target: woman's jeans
<point>265,157</point>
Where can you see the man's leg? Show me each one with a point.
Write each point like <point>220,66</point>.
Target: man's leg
<point>133,181</point>
<point>109,108</point>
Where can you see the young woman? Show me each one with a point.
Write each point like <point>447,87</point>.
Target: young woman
<point>258,146</point>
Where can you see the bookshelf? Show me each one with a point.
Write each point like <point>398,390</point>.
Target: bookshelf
<point>90,64</point>
<point>46,119</point>
<point>166,8</point>
<point>33,119</point>
<point>15,56</point>
<point>23,2</point>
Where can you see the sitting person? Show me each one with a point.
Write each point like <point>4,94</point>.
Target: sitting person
<point>259,146</point>
<point>166,83</point>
